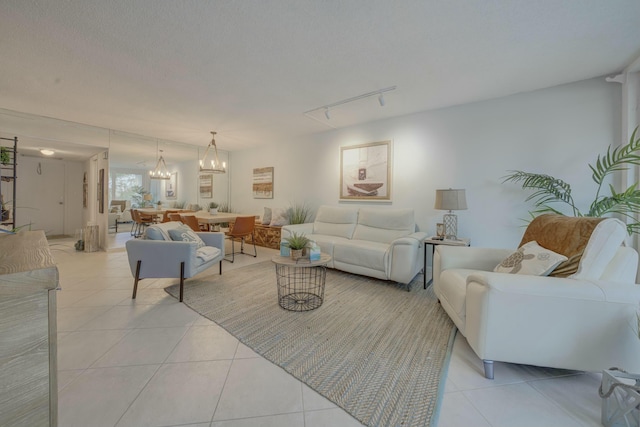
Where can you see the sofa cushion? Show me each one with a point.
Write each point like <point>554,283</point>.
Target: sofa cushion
<point>279,217</point>
<point>530,258</point>
<point>160,231</point>
<point>588,243</point>
<point>335,221</point>
<point>185,234</point>
<point>383,225</point>
<point>363,253</point>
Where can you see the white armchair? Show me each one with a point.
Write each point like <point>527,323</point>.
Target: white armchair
<point>585,321</point>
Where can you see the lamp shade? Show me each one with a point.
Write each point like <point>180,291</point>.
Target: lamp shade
<point>148,197</point>
<point>451,200</point>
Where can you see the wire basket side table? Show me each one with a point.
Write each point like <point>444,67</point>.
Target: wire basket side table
<point>301,283</point>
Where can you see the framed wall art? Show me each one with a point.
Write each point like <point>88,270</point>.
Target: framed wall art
<point>206,186</point>
<point>263,183</point>
<point>365,171</point>
<point>171,187</point>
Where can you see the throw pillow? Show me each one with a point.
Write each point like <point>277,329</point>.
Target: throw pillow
<point>279,217</point>
<point>266,218</point>
<point>531,258</point>
<point>185,234</point>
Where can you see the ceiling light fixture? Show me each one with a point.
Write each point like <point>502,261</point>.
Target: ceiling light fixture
<point>216,165</point>
<point>160,171</point>
<point>47,152</point>
<point>379,93</point>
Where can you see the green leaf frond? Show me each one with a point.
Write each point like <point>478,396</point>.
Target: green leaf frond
<point>549,189</point>
<point>617,160</point>
<point>623,204</point>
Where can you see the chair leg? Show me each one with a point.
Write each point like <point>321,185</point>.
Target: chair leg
<point>233,251</point>
<point>135,283</point>
<point>221,267</point>
<point>488,369</point>
<point>181,280</point>
<point>255,250</point>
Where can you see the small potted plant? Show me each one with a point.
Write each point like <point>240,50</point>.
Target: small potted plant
<point>213,208</point>
<point>5,158</point>
<point>297,243</point>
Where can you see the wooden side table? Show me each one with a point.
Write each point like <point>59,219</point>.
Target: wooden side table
<point>435,242</point>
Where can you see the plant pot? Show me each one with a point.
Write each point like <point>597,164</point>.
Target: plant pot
<point>213,211</point>
<point>296,254</point>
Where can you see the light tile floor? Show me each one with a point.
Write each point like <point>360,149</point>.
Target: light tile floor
<point>154,362</point>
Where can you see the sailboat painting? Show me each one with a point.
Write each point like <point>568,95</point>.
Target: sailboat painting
<point>365,171</point>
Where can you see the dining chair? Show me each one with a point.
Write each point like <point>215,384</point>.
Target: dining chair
<point>243,227</point>
<point>140,221</point>
<point>165,215</point>
<point>192,222</point>
<point>174,217</point>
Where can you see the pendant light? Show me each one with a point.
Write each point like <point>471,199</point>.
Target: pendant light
<point>214,165</point>
<point>160,171</point>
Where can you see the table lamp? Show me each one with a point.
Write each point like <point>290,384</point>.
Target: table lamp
<point>450,200</point>
<point>147,198</point>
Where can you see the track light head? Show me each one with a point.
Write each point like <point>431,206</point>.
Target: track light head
<point>326,113</point>
<point>381,100</point>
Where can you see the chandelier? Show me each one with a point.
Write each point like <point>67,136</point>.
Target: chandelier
<point>160,171</point>
<point>214,165</point>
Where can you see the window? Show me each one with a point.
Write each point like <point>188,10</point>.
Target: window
<point>123,185</point>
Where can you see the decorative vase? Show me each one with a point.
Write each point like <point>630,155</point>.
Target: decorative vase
<point>213,211</point>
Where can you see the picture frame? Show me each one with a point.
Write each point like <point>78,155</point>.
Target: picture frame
<point>171,187</point>
<point>365,172</point>
<point>263,183</point>
<point>101,191</point>
<point>206,186</point>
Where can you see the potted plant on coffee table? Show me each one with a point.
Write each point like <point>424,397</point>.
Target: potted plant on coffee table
<point>297,243</point>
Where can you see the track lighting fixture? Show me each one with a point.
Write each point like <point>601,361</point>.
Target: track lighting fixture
<point>379,93</point>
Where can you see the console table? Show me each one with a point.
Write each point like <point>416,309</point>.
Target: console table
<point>28,349</point>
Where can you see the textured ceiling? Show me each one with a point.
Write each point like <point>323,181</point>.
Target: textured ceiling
<point>249,69</point>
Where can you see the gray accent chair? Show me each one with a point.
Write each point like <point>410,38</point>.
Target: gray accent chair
<point>154,256</point>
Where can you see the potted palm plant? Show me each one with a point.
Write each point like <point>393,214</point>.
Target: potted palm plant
<point>297,243</point>
<point>549,190</point>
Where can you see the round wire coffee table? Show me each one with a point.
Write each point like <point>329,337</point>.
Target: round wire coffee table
<point>301,282</point>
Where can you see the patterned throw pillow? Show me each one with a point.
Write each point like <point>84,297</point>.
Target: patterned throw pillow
<point>266,218</point>
<point>531,258</point>
<point>279,217</point>
<point>185,234</point>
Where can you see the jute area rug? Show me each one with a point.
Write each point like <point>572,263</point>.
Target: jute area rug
<point>374,349</point>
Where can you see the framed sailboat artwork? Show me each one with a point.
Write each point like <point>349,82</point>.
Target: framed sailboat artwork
<point>365,171</point>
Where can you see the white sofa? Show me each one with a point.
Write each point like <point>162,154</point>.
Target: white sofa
<point>586,321</point>
<point>380,243</point>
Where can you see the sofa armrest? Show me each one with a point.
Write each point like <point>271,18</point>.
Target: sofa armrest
<point>404,256</point>
<point>215,239</point>
<point>287,230</point>
<point>550,321</point>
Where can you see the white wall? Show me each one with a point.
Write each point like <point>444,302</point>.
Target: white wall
<point>557,131</point>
